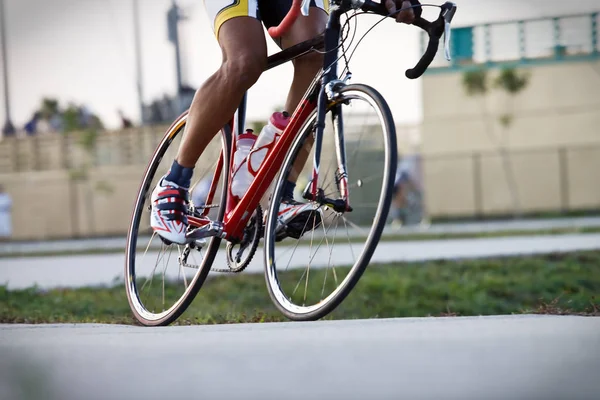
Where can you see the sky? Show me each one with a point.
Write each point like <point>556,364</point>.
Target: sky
<point>83,51</point>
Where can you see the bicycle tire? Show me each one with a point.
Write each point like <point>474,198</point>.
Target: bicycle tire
<point>143,316</point>
<point>326,306</point>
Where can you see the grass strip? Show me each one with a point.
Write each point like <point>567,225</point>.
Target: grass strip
<point>552,284</point>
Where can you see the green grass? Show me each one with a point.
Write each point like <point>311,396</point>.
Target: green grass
<point>388,237</point>
<point>556,284</point>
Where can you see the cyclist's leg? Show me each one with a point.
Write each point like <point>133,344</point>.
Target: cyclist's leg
<point>305,68</point>
<point>244,54</point>
<point>294,216</point>
<point>244,51</point>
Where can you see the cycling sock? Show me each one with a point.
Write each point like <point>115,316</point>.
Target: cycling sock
<point>179,175</point>
<point>288,190</point>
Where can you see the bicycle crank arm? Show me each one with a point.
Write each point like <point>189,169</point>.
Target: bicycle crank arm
<point>211,229</point>
<point>338,205</point>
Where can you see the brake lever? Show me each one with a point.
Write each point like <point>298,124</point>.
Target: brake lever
<point>447,33</point>
<point>448,11</point>
<point>435,30</point>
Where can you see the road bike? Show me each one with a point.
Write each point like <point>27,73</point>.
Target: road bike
<point>351,192</point>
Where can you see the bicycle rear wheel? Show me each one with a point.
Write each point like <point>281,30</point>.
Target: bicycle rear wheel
<point>162,280</point>
<point>309,277</point>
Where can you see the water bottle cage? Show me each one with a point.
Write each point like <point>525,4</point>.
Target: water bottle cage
<point>244,161</point>
<point>268,146</point>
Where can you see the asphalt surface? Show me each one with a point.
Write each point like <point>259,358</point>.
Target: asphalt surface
<point>105,269</point>
<point>523,225</point>
<point>511,357</point>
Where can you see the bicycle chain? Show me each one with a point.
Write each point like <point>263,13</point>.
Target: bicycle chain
<point>222,270</point>
<point>219,270</point>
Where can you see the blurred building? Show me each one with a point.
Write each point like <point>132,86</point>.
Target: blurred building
<point>475,155</point>
<point>534,150</point>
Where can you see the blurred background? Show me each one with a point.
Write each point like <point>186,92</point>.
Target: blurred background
<point>508,129</point>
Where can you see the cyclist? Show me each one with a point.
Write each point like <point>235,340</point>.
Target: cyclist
<point>237,25</point>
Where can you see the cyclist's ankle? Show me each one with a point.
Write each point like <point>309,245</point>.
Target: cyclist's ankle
<point>180,175</point>
<point>288,190</point>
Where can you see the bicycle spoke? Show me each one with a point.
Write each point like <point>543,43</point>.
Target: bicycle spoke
<point>164,271</point>
<point>349,241</point>
<point>296,246</point>
<point>159,258</point>
<point>330,254</point>
<point>368,179</point>
<point>181,270</point>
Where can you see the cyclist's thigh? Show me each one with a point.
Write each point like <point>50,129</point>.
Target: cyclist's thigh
<point>237,26</point>
<point>272,13</point>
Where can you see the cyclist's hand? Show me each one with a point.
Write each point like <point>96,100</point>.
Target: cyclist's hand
<point>406,16</point>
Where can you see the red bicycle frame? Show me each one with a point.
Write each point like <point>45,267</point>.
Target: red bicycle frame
<point>238,211</point>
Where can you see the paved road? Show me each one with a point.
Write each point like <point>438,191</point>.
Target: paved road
<point>83,270</point>
<point>512,357</point>
<point>524,225</point>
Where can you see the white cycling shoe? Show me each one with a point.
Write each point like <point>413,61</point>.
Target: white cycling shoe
<point>294,219</point>
<point>168,216</point>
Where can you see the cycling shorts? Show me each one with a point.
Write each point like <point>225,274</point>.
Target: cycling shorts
<point>270,12</point>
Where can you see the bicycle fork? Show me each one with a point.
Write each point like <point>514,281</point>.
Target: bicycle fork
<point>312,191</point>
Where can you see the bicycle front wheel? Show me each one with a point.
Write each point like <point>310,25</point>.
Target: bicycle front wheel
<point>161,280</point>
<point>314,261</point>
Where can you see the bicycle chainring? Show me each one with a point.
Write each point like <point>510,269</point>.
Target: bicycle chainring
<point>237,261</point>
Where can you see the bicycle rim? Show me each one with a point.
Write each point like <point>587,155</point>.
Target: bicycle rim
<point>181,283</point>
<point>368,230</point>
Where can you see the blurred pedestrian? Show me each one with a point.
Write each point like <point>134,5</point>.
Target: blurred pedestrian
<point>403,185</point>
<point>31,127</point>
<point>125,122</point>
<point>5,214</point>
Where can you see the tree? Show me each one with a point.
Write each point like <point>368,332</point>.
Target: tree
<point>477,84</point>
<point>83,126</point>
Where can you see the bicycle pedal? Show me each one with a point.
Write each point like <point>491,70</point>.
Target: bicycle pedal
<point>300,225</point>
<point>165,241</point>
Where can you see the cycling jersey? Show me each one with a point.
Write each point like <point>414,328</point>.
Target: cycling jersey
<point>270,12</point>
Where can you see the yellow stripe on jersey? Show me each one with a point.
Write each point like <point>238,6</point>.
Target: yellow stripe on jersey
<point>238,9</point>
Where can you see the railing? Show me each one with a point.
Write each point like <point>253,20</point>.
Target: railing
<point>53,152</point>
<point>469,184</point>
<point>575,37</point>
<point>520,181</point>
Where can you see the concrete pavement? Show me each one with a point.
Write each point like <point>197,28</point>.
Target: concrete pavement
<point>523,225</point>
<point>103,269</point>
<point>505,357</point>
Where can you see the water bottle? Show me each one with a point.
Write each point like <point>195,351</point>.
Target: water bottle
<point>266,140</point>
<point>241,176</point>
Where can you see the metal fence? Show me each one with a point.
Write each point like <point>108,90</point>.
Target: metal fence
<point>54,151</point>
<point>479,184</point>
<point>527,41</point>
<point>36,171</point>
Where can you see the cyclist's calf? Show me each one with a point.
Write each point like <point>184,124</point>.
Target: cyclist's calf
<point>308,64</point>
<point>305,68</point>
